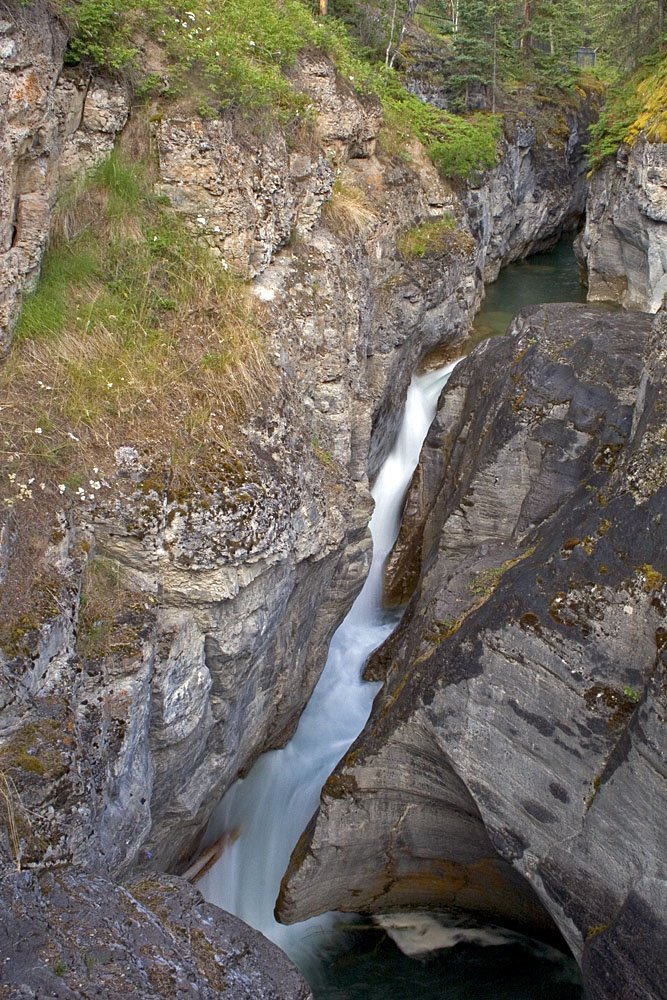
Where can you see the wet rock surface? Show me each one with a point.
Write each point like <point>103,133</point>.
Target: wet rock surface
<point>76,935</point>
<point>525,688</point>
<point>120,730</point>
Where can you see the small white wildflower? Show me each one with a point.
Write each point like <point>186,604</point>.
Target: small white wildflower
<point>253,44</point>
<point>38,430</point>
<point>31,481</point>
<point>95,469</point>
<point>71,436</point>
<point>190,14</point>
<point>42,486</point>
<point>61,487</point>
<point>91,496</point>
<point>109,385</point>
<point>201,221</point>
<point>11,476</point>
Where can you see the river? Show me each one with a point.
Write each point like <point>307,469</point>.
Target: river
<point>343,958</point>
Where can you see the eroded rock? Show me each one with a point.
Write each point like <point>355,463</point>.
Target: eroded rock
<point>76,935</point>
<point>524,696</point>
<point>624,243</point>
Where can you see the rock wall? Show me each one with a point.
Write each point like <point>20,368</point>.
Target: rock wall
<point>51,126</point>
<point>524,698</point>
<point>231,591</point>
<point>624,244</point>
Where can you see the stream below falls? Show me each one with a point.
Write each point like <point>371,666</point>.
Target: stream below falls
<point>345,958</point>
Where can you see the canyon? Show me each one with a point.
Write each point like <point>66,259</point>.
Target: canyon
<point>525,685</point>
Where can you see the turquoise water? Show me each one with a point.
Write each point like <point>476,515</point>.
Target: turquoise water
<point>368,966</point>
<point>546,277</point>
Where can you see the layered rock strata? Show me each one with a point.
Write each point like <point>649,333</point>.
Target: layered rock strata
<point>230,591</point>
<point>624,244</point>
<point>521,725</point>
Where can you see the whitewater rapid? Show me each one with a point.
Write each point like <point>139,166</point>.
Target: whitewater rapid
<point>272,806</point>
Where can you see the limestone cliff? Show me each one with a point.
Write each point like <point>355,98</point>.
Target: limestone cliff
<point>172,631</point>
<point>520,730</point>
<point>624,243</point>
<point>224,594</point>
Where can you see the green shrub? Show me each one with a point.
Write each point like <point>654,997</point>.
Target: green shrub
<point>636,105</point>
<point>428,237</point>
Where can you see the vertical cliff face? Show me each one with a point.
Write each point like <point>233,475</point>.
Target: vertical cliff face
<point>524,698</point>
<point>52,126</point>
<point>123,730</point>
<point>624,243</point>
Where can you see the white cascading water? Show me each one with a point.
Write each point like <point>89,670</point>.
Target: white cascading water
<point>272,806</point>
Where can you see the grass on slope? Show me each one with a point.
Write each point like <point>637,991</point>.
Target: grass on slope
<point>135,335</point>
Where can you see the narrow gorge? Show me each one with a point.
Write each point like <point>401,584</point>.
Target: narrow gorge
<point>210,328</point>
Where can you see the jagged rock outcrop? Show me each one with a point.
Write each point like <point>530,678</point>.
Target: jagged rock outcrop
<point>51,126</point>
<point>122,729</point>
<point>155,939</point>
<point>624,244</point>
<point>537,191</point>
<point>521,725</point>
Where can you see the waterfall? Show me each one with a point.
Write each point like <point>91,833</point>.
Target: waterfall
<point>271,806</point>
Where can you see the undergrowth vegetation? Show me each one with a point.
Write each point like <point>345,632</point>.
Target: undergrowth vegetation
<point>432,236</point>
<point>236,55</point>
<point>349,210</point>
<point>135,336</point>
<point>633,105</point>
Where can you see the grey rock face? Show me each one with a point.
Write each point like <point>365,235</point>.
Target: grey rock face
<point>524,699</point>
<point>537,191</point>
<point>232,591</point>
<point>624,244</point>
<point>51,126</point>
<point>76,935</point>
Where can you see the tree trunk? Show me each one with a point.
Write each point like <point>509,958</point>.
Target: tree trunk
<point>527,38</point>
<point>494,79</point>
<point>324,7</point>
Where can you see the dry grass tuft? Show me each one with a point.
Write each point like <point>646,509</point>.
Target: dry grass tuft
<point>136,335</point>
<point>10,812</point>
<point>349,211</point>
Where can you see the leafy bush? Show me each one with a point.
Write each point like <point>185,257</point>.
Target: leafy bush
<point>458,146</point>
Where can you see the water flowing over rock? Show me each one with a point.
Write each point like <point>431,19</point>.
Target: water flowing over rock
<point>524,697</point>
<point>624,243</point>
<point>231,592</point>
<point>236,589</point>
